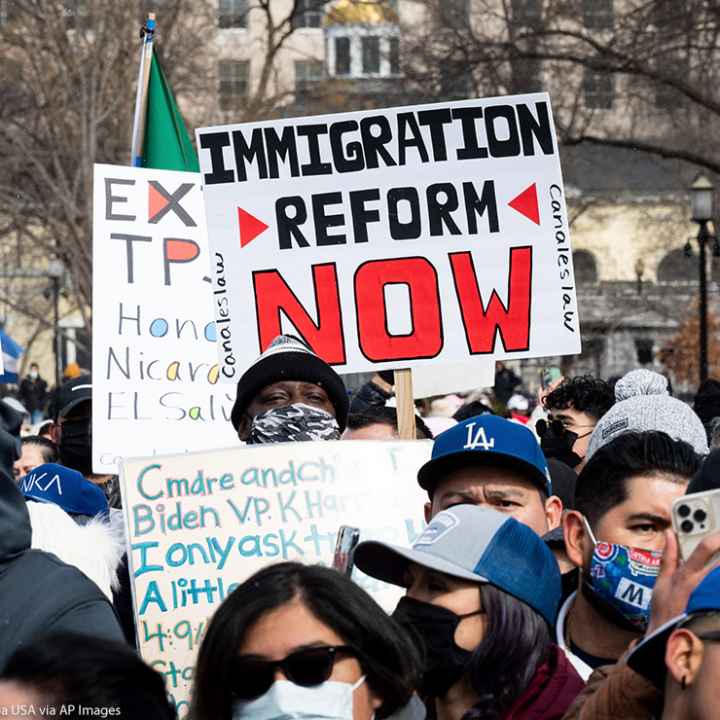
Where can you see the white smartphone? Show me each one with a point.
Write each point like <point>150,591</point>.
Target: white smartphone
<point>694,517</point>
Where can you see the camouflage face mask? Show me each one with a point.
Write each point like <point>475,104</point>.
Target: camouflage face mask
<point>293,423</point>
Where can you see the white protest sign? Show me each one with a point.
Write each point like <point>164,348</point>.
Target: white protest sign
<point>474,375</point>
<point>155,366</point>
<point>412,236</point>
<point>201,523</point>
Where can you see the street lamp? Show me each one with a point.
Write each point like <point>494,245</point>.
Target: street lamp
<point>702,197</point>
<point>55,271</point>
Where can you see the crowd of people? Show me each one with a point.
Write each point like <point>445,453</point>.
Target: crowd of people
<point>548,582</point>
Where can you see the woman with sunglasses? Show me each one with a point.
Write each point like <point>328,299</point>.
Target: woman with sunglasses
<point>482,595</point>
<point>302,641</point>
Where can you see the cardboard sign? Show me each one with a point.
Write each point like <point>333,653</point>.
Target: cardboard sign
<point>424,235</point>
<point>155,368</point>
<point>201,523</point>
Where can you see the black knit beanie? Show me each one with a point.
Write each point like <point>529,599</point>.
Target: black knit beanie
<point>289,358</point>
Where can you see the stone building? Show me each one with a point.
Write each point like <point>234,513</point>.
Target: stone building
<point>629,211</point>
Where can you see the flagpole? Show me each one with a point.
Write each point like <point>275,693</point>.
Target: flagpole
<point>146,51</point>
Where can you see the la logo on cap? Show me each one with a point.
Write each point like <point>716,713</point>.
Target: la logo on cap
<point>478,439</point>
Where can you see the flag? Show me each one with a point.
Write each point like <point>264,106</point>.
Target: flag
<point>167,145</point>
<point>11,353</point>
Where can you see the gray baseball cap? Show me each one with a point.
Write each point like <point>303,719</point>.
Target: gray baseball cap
<point>477,544</point>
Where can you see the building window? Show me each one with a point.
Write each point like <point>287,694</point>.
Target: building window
<point>669,13</point>
<point>394,56</point>
<point>232,14</point>
<point>526,75</point>
<point>644,350</point>
<point>598,14</point>
<point>584,267</point>
<point>342,56</point>
<point>674,66</point>
<point>370,55</point>
<point>454,13</point>
<point>455,82</point>
<point>598,90</point>
<point>677,267</point>
<point>8,11</point>
<point>307,73</point>
<point>233,83</point>
<point>526,12</point>
<point>77,13</point>
<point>309,14</point>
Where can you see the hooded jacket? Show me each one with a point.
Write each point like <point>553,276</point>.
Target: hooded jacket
<point>96,548</point>
<point>551,691</point>
<point>38,592</point>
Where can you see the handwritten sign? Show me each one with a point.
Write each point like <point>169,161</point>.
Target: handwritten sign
<point>155,367</point>
<point>201,523</point>
<point>404,237</point>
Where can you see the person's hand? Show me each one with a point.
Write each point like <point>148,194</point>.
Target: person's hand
<point>677,580</point>
<point>542,392</point>
<point>383,381</point>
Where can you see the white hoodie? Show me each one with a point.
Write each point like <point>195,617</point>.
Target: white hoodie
<point>95,548</point>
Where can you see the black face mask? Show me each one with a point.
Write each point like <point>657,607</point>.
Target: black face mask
<point>76,445</point>
<point>445,662</point>
<point>558,442</point>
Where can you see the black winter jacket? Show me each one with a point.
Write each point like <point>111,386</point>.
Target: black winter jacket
<point>38,592</point>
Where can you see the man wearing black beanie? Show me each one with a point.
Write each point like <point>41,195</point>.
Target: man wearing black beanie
<point>289,394</point>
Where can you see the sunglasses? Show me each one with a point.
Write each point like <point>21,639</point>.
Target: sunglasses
<point>307,667</point>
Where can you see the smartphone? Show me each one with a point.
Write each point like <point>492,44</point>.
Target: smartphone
<point>347,539</point>
<point>694,517</point>
<point>549,375</point>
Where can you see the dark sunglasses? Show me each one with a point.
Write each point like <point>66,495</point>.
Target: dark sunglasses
<point>555,427</point>
<point>308,667</point>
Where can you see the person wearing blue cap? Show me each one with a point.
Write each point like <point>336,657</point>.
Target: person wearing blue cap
<point>490,461</point>
<point>70,518</point>
<point>482,595</point>
<point>682,657</point>
<point>67,488</point>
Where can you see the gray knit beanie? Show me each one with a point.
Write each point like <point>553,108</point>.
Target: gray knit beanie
<point>643,404</point>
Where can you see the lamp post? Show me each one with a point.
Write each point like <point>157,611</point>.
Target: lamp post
<point>702,197</point>
<point>55,272</point>
<point>639,274</point>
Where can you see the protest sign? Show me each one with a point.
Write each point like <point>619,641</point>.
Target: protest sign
<point>405,237</point>
<point>155,365</point>
<point>201,523</point>
<point>455,377</point>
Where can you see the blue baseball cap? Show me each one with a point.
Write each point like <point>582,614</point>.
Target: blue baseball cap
<point>648,657</point>
<point>477,544</point>
<point>486,440</point>
<point>60,485</point>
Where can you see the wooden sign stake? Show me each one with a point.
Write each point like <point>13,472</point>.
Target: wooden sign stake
<point>405,404</point>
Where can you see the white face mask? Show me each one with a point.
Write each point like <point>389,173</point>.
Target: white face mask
<point>287,701</point>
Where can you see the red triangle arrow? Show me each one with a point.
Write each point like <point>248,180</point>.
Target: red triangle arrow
<point>250,227</point>
<point>526,203</point>
<point>156,202</point>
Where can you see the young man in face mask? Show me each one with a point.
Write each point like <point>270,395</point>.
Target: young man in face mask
<point>289,395</point>
<point>616,536</point>
<point>492,462</point>
<point>573,408</point>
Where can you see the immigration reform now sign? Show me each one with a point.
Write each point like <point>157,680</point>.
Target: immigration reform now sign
<point>393,238</point>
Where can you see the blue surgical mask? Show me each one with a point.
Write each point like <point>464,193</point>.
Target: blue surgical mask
<point>620,582</point>
<point>287,701</point>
